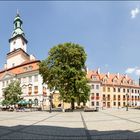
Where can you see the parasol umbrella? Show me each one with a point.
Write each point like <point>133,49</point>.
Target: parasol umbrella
<point>22,102</point>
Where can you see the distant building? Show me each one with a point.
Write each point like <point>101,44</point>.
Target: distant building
<point>23,67</point>
<point>112,90</point>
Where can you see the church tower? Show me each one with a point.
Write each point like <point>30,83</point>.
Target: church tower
<point>18,45</point>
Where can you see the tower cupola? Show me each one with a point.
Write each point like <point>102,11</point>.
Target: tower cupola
<point>18,39</point>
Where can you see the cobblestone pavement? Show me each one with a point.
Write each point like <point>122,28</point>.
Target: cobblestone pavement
<point>105,124</point>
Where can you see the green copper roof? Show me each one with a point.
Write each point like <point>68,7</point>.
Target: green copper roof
<point>18,27</point>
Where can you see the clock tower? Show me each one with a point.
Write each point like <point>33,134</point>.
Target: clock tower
<point>18,45</point>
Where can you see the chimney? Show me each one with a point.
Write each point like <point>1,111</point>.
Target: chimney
<point>139,80</point>
<point>126,76</point>
<point>108,74</point>
<point>98,71</point>
<point>118,75</point>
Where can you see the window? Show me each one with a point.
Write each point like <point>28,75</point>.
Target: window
<point>108,89</point>
<point>36,78</point>
<point>29,90</point>
<point>104,80</point>
<point>92,103</point>
<point>14,42</point>
<point>114,103</point>
<point>35,89</point>
<point>44,90</point>
<point>119,90</point>
<point>94,78</point>
<point>97,94</point>
<point>119,103</point>
<point>3,83</point>
<point>124,90</point>
<point>92,86</point>
<point>104,89</point>
<point>114,89</point>
<point>104,97</point>
<point>128,90</point>
<point>19,80</point>
<point>123,103</point>
<point>115,81</point>
<point>24,80</point>
<point>135,91</point>
<point>25,69</point>
<point>30,79</point>
<point>108,97</point>
<point>30,67</point>
<point>13,64</point>
<point>97,103</point>
<point>114,97</point>
<point>119,97</point>
<point>123,97</point>
<point>97,86</point>
<point>7,83</point>
<point>36,102</point>
<point>138,91</point>
<point>132,91</point>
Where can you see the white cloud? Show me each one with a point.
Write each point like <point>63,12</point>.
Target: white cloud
<point>134,12</point>
<point>130,70</point>
<point>137,72</point>
<point>134,70</point>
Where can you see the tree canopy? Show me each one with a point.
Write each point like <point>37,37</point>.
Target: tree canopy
<point>12,93</point>
<point>64,70</point>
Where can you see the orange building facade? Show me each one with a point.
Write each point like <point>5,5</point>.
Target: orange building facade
<point>112,90</point>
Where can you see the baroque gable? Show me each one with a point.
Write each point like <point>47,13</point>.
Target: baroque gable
<point>7,75</point>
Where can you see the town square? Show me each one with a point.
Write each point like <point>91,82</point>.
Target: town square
<point>105,124</point>
<point>69,70</point>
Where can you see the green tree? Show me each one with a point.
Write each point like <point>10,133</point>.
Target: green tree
<point>12,93</point>
<point>64,69</point>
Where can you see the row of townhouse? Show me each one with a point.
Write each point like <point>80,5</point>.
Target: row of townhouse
<point>112,90</point>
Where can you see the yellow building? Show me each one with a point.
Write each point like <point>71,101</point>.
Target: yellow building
<point>112,90</point>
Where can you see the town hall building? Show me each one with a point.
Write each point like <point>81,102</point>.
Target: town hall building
<point>23,67</point>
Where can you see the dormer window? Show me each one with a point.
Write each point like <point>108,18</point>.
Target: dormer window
<point>25,69</point>
<point>30,67</point>
<point>13,64</point>
<point>105,80</point>
<point>94,78</point>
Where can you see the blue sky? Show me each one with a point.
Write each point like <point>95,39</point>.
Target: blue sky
<point>109,31</point>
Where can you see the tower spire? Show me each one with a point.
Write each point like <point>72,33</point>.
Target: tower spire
<point>18,31</point>
<point>17,12</point>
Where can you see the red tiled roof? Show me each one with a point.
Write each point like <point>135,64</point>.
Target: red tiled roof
<point>112,79</point>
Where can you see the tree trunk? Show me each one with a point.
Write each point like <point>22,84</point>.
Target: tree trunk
<point>84,103</point>
<point>72,104</point>
<point>78,101</point>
